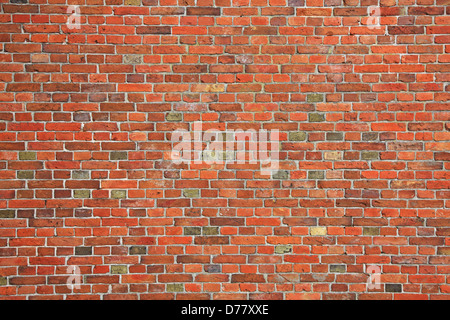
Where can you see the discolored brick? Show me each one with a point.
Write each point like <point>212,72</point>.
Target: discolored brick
<point>81,194</point>
<point>3,281</point>
<point>80,175</point>
<point>282,249</point>
<point>119,269</point>
<point>336,268</point>
<point>281,175</point>
<point>297,136</point>
<point>315,117</point>
<point>393,287</point>
<point>26,175</point>
<point>315,98</point>
<point>210,231</point>
<point>132,2</point>
<point>335,136</point>
<point>138,250</point>
<point>191,193</point>
<point>371,231</point>
<point>27,156</point>
<point>4,214</point>
<point>133,59</point>
<point>316,175</point>
<point>369,155</point>
<point>119,194</point>
<point>83,251</point>
<point>174,117</point>
<point>318,231</point>
<point>119,155</point>
<point>175,287</point>
<point>192,231</point>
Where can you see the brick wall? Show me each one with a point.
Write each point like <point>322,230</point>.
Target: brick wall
<point>93,203</point>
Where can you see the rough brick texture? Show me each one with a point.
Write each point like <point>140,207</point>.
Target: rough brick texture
<point>86,178</point>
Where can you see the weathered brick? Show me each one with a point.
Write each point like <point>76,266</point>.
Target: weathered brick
<point>133,59</point>
<point>333,155</point>
<point>210,231</point>
<point>132,2</point>
<point>370,136</point>
<point>119,194</point>
<point>138,250</point>
<point>81,194</point>
<point>297,136</point>
<point>318,231</point>
<point>370,155</point>
<point>315,117</point>
<point>191,193</point>
<point>337,268</point>
<point>393,287</point>
<point>26,175</point>
<point>315,97</point>
<point>281,175</point>
<point>27,156</point>
<point>118,155</point>
<point>83,251</point>
<point>81,117</point>
<point>154,30</point>
<point>335,136</point>
<point>174,287</point>
<point>3,281</point>
<point>202,11</point>
<point>4,214</point>
<point>119,269</point>
<point>316,175</point>
<point>282,249</point>
<point>192,231</point>
<point>80,175</point>
<point>174,117</point>
<point>213,268</point>
<point>371,231</point>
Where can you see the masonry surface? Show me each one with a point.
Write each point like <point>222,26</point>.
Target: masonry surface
<point>87,180</point>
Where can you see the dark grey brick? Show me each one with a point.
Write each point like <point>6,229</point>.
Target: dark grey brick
<point>81,117</point>
<point>337,268</point>
<point>83,251</point>
<point>335,136</point>
<point>213,268</point>
<point>393,287</point>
